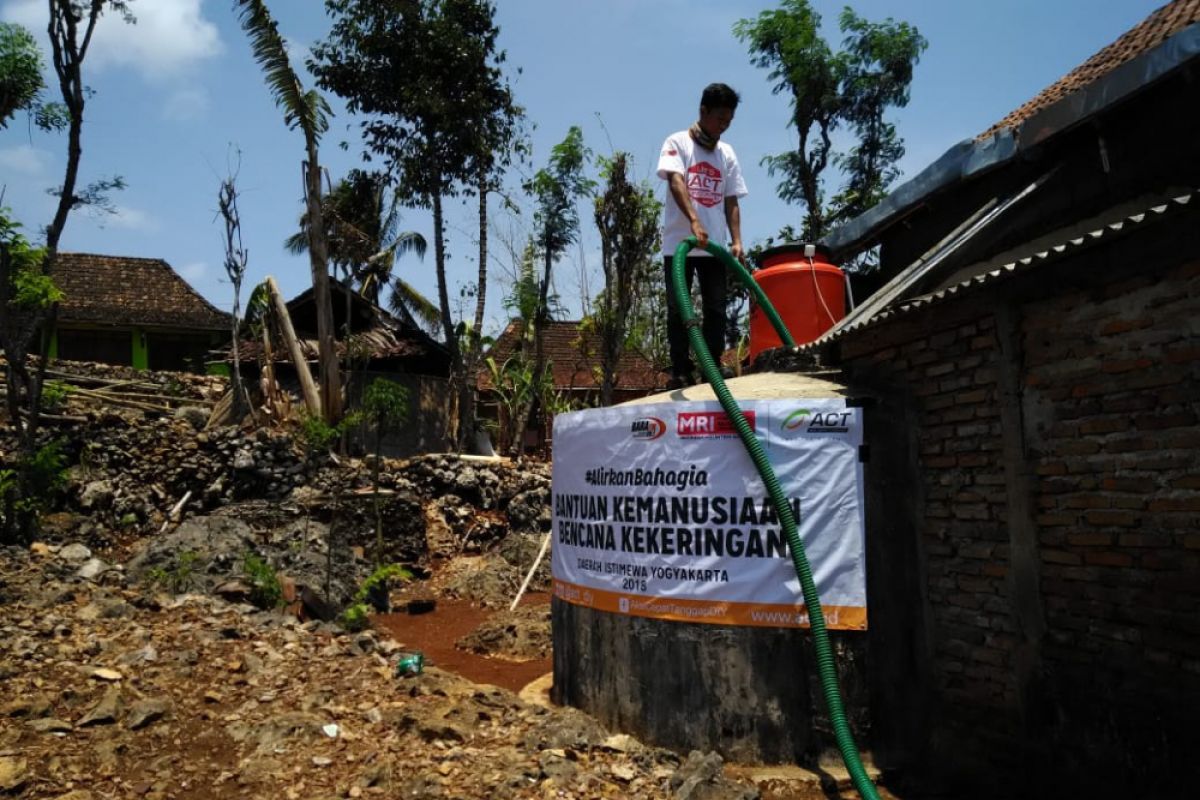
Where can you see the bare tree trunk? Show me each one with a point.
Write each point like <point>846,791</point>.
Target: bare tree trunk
<point>456,365</point>
<point>474,355</point>
<point>331,385</point>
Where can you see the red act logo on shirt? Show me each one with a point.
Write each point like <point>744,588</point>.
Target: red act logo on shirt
<point>704,184</point>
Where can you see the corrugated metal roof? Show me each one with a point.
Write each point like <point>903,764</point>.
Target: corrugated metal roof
<point>1042,255</point>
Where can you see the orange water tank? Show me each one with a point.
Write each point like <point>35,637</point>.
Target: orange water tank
<point>808,293</point>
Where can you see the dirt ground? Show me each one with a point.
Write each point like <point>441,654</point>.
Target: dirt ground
<point>436,633</point>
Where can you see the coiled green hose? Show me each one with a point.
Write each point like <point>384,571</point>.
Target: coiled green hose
<point>816,616</point>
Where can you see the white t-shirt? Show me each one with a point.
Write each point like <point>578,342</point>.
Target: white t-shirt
<point>710,176</point>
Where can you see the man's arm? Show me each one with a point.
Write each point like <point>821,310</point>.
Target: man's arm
<point>684,201</point>
<point>733,217</point>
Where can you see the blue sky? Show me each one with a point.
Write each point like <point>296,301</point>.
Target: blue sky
<point>175,93</point>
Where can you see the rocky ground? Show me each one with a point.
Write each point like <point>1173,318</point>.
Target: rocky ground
<point>117,691</point>
<point>147,651</point>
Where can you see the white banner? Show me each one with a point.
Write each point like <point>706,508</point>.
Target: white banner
<point>660,512</point>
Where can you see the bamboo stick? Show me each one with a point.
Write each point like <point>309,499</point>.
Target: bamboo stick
<point>311,399</point>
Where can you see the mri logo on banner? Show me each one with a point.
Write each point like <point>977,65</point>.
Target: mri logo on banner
<point>709,423</point>
<point>647,428</point>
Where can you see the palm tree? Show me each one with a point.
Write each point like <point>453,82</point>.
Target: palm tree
<point>308,111</point>
<point>364,243</point>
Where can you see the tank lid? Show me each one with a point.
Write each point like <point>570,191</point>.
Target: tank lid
<point>790,248</point>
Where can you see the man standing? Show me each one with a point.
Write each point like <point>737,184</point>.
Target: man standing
<point>705,182</point>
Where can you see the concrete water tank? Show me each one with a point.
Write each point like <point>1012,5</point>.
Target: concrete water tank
<point>747,691</point>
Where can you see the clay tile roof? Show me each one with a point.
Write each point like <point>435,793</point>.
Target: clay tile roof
<point>565,348</point>
<point>1151,32</point>
<point>121,290</point>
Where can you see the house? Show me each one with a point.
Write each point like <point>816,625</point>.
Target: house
<point>388,342</point>
<point>133,311</point>
<point>1033,486</point>
<point>571,353</point>
<point>382,345</point>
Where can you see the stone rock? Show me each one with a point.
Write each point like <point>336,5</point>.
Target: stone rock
<point>13,773</point>
<point>621,743</point>
<point>566,728</point>
<point>488,581</point>
<point>702,777</point>
<point>522,634</point>
<point>530,511</point>
<point>235,591</point>
<point>216,547</point>
<point>145,712</point>
<point>106,712</point>
<point>271,733</point>
<point>554,764</point>
<point>97,496</point>
<point>50,725</point>
<point>193,415</point>
<point>92,569</point>
<point>31,706</point>
<point>623,772</point>
<point>75,553</point>
<point>520,550</point>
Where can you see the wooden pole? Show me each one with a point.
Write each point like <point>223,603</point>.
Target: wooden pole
<point>312,401</point>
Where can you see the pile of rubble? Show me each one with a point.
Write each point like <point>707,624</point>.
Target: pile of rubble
<point>119,691</point>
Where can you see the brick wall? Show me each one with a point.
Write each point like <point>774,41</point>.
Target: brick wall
<point>1107,370</point>
<point>947,365</point>
<point>1112,391</point>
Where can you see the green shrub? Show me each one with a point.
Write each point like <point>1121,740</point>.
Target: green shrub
<point>354,618</point>
<point>265,589</point>
<point>54,394</point>
<point>179,577</point>
<point>32,486</point>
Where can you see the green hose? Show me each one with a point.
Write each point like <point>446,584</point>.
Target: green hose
<point>816,616</point>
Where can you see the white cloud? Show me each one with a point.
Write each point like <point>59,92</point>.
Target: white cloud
<point>24,159</point>
<point>125,217</point>
<point>194,272</point>
<point>186,104</point>
<point>170,36</point>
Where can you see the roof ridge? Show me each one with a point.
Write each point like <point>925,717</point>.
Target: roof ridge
<point>1160,25</point>
<point>95,291</point>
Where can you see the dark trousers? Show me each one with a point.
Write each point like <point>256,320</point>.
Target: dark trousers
<point>712,304</point>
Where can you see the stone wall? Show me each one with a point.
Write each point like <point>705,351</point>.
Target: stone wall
<point>1056,509</point>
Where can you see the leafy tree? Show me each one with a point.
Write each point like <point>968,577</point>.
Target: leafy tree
<point>20,71</point>
<point>556,188</point>
<point>21,81</point>
<point>308,111</point>
<point>28,297</point>
<point>627,217</point>
<point>852,88</point>
<point>425,76</point>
